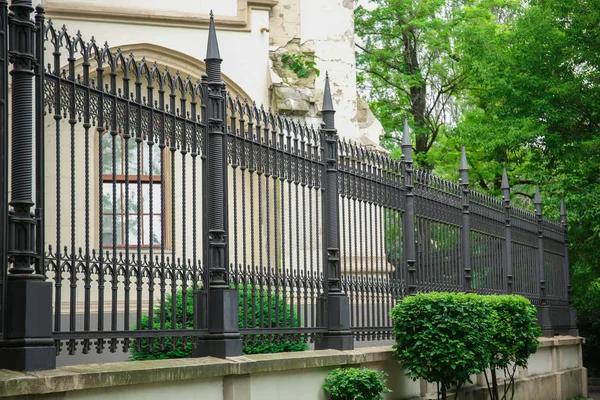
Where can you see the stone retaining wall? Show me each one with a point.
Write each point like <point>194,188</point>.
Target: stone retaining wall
<point>555,372</point>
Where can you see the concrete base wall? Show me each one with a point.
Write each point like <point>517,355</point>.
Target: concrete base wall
<point>555,372</point>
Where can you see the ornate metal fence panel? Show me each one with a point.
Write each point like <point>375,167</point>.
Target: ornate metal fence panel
<point>372,261</point>
<point>275,223</point>
<point>487,244</point>
<point>556,274</point>
<point>438,211</point>
<point>124,151</point>
<point>4,134</point>
<point>524,255</point>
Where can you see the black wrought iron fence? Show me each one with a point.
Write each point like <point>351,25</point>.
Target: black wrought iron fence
<point>371,249</point>
<point>275,210</point>
<point>171,213</point>
<point>123,181</point>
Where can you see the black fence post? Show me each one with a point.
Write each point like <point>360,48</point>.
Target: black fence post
<point>27,343</point>
<point>573,331</point>
<point>222,301</point>
<point>3,157</point>
<point>466,221</point>
<point>408,217</point>
<point>335,304</point>
<point>508,265</point>
<point>544,309</point>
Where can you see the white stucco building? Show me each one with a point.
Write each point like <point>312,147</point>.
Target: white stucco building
<point>252,36</point>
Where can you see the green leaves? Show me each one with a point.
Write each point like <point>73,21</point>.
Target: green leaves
<point>250,309</point>
<point>448,349</point>
<point>356,384</point>
<point>447,337</point>
<point>300,64</point>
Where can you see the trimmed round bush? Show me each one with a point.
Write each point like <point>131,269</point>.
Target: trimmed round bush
<point>513,337</point>
<point>442,337</point>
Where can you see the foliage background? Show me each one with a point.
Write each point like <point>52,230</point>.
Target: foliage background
<point>516,82</point>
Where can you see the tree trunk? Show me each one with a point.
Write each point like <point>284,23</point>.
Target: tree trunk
<point>444,392</point>
<point>494,384</point>
<point>418,93</point>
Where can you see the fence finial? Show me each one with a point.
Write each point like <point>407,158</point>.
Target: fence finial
<point>505,186</point>
<point>327,100</point>
<point>406,144</point>
<point>212,51</point>
<point>537,201</point>
<point>464,167</point>
<point>328,111</point>
<point>213,56</point>
<point>563,212</point>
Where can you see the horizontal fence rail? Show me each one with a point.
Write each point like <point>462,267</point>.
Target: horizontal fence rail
<point>163,213</point>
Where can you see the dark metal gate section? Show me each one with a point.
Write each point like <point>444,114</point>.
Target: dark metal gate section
<point>127,157</point>
<point>151,211</point>
<point>3,157</point>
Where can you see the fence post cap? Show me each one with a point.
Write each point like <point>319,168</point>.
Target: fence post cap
<point>464,166</point>
<point>406,134</point>
<point>327,100</point>
<point>212,50</point>
<point>563,211</point>
<point>505,184</point>
<point>537,200</point>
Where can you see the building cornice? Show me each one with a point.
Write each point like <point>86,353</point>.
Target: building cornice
<point>56,9</point>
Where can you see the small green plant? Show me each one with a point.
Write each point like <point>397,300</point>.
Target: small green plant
<point>356,384</point>
<point>513,338</point>
<point>300,64</point>
<point>442,337</point>
<point>249,309</point>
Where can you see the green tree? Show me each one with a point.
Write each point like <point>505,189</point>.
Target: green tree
<point>409,62</point>
<point>534,108</point>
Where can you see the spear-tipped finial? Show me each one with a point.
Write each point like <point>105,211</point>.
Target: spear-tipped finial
<point>406,144</point>
<point>464,167</point>
<point>504,179</point>
<point>212,51</point>
<point>563,211</point>
<point>327,100</point>
<point>505,186</point>
<point>537,200</point>
<point>328,110</point>
<point>406,133</point>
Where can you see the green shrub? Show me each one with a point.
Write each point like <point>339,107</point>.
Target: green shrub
<point>260,344</point>
<point>273,309</point>
<point>442,337</point>
<point>513,338</point>
<point>356,384</point>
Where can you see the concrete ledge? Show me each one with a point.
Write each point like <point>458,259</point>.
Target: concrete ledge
<point>93,376</point>
<point>83,380</point>
<point>560,341</point>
